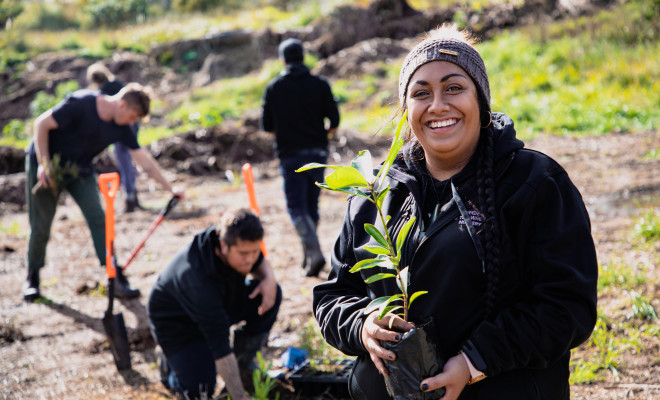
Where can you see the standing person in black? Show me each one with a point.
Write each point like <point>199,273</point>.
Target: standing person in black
<point>218,280</point>
<point>295,108</point>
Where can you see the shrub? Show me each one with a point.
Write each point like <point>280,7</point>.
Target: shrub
<point>9,9</point>
<point>114,12</point>
<point>44,101</point>
<point>15,129</point>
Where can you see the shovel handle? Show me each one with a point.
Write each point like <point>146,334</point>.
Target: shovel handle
<point>170,205</point>
<point>109,185</point>
<point>248,178</point>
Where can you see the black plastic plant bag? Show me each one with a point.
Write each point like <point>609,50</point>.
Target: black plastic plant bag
<point>415,361</point>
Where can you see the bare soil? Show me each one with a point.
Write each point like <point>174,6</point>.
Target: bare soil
<point>57,349</point>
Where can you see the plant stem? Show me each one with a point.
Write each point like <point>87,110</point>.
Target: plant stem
<point>392,249</point>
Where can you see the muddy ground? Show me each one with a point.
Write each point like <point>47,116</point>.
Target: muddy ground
<point>57,349</point>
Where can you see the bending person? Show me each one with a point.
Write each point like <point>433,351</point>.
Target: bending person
<point>74,132</point>
<point>219,279</point>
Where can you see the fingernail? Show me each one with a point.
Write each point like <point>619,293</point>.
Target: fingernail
<point>425,387</point>
<point>391,357</point>
<point>397,338</point>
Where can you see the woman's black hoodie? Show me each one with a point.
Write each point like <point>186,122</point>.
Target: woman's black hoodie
<point>546,302</point>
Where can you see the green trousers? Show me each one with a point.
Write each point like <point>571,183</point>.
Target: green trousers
<point>41,212</point>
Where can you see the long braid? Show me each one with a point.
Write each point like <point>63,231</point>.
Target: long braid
<point>491,229</point>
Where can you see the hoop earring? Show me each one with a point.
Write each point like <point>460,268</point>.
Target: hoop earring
<point>490,120</point>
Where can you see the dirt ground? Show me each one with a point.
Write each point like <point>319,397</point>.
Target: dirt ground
<point>57,350</point>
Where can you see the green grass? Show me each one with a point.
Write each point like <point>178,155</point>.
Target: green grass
<point>648,226</point>
<point>618,275</point>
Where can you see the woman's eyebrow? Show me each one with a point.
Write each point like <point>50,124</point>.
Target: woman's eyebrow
<point>451,75</point>
<point>443,79</point>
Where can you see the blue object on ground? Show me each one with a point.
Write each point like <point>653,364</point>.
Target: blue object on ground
<point>293,357</point>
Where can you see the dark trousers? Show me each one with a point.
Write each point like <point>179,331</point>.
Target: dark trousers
<point>192,368</point>
<point>43,204</point>
<point>302,194</point>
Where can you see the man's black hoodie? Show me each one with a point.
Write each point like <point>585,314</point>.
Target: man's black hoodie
<point>295,105</point>
<point>197,297</point>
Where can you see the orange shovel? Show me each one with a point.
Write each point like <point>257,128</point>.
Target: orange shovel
<point>115,328</point>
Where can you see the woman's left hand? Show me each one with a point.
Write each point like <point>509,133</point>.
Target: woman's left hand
<point>453,378</point>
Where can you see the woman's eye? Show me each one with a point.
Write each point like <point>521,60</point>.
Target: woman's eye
<point>419,93</point>
<point>454,88</point>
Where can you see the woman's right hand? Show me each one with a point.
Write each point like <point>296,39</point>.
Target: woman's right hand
<point>388,328</point>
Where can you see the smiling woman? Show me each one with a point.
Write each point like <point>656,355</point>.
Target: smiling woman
<point>443,110</point>
<point>497,235</point>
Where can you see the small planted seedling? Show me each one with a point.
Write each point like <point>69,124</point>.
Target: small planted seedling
<point>358,179</point>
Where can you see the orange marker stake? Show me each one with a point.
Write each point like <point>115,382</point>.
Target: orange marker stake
<point>248,178</point>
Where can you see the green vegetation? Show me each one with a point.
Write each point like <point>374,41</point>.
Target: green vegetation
<point>312,341</point>
<point>587,76</point>
<point>648,226</point>
<point>359,180</point>
<point>605,346</point>
<point>618,275</point>
<point>556,85</point>
<point>261,381</point>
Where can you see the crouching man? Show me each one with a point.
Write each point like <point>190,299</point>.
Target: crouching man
<point>219,279</point>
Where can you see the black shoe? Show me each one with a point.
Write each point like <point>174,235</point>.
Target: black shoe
<point>123,289</point>
<point>131,205</point>
<point>31,288</point>
<point>315,268</point>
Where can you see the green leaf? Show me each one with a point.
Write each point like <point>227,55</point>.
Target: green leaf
<point>376,250</point>
<point>375,304</point>
<point>387,262</point>
<point>376,234</point>
<point>386,310</point>
<point>365,264</point>
<point>344,177</point>
<point>315,165</point>
<point>381,197</point>
<point>416,295</point>
<point>397,143</point>
<point>364,164</point>
<point>378,277</point>
<point>403,234</point>
<point>346,190</point>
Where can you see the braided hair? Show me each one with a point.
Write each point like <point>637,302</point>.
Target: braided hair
<point>490,233</point>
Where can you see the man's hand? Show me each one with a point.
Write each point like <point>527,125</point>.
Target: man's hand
<point>267,288</point>
<point>389,328</point>
<point>44,174</point>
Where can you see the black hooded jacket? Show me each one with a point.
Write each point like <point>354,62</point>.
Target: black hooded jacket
<point>546,302</point>
<point>197,298</point>
<point>295,105</point>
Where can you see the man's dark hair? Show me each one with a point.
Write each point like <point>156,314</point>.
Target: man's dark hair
<point>291,50</point>
<point>240,223</point>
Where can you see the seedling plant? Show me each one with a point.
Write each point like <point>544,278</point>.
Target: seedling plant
<point>358,179</point>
